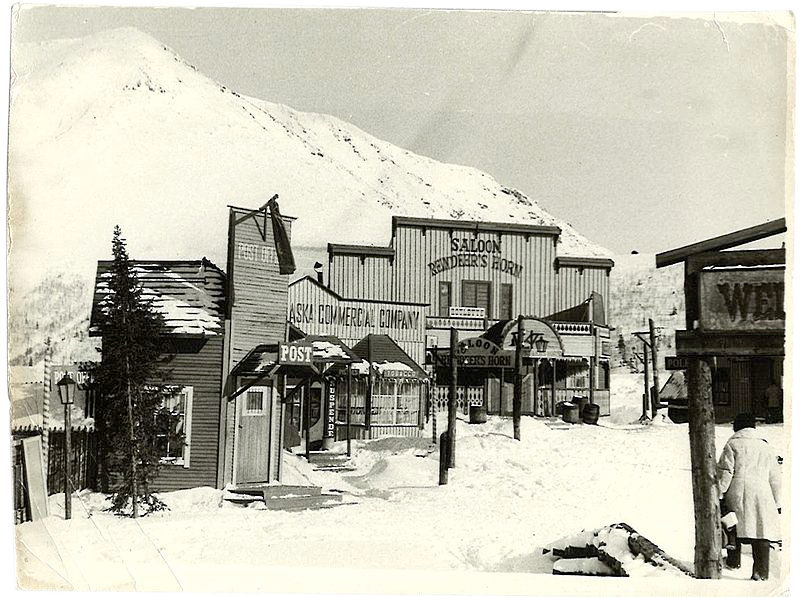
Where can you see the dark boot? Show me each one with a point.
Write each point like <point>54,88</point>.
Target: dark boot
<point>734,558</point>
<point>760,559</point>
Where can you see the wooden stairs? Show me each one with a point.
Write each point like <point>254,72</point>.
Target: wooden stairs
<point>330,461</point>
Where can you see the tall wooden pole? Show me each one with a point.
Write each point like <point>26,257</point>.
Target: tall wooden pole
<point>451,403</point>
<point>307,417</point>
<point>654,354</point>
<point>349,406</point>
<point>703,457</point>
<point>646,361</point>
<point>517,403</point>
<point>67,463</point>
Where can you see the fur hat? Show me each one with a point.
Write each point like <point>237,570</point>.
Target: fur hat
<point>743,420</point>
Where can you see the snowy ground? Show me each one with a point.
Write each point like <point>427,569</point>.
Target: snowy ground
<point>504,502</point>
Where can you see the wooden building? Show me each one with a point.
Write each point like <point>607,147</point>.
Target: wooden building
<point>473,275</point>
<point>735,316</point>
<point>191,297</point>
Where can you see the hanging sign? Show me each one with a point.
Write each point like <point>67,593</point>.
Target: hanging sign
<point>476,353</point>
<point>742,300</point>
<point>539,339</point>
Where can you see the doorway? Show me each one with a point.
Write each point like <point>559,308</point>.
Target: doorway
<point>253,416</point>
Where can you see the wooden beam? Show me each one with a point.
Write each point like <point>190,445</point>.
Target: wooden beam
<point>725,241</point>
<point>749,258</point>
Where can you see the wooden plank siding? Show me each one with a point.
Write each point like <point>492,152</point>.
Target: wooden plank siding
<point>308,300</point>
<point>576,284</point>
<point>257,291</point>
<point>202,370</point>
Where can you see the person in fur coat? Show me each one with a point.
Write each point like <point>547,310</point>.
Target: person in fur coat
<point>749,480</point>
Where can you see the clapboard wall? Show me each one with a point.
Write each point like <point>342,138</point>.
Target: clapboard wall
<point>196,363</point>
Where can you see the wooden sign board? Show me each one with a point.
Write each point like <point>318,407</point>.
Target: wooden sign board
<point>539,339</point>
<point>742,300</point>
<point>35,480</point>
<point>676,363</point>
<point>295,354</point>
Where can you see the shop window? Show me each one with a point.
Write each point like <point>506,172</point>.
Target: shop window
<point>358,389</point>
<point>173,426</point>
<point>476,294</point>
<point>577,376</point>
<point>506,308</point>
<point>395,401</point>
<point>445,298</point>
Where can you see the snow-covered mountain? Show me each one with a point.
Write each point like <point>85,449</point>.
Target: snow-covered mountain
<point>116,128</point>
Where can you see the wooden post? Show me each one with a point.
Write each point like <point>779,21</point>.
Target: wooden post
<point>555,376</point>
<point>517,403</point>
<point>67,463</point>
<point>451,403</point>
<point>703,457</point>
<point>444,456</point>
<point>282,422</point>
<point>368,396</point>
<point>349,406</point>
<point>592,360</point>
<point>654,354</point>
<point>307,417</point>
<point>536,405</point>
<point>646,362</point>
<point>500,398</point>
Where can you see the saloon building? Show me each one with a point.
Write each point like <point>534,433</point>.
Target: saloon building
<point>476,277</point>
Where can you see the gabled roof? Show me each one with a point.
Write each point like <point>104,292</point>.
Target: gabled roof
<point>189,294</point>
<point>339,297</point>
<point>380,348</point>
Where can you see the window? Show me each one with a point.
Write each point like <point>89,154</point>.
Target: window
<point>445,298</point>
<point>476,294</point>
<point>603,376</point>
<point>358,392</point>
<point>506,311</point>
<point>578,376</point>
<point>395,401</point>
<point>254,404</point>
<point>174,426</point>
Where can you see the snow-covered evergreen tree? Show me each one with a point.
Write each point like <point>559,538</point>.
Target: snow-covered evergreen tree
<point>133,386</point>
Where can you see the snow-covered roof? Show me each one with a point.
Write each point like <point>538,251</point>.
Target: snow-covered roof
<point>189,294</point>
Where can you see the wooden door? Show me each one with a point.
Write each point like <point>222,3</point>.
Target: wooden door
<point>762,373</point>
<point>741,388</point>
<point>253,435</point>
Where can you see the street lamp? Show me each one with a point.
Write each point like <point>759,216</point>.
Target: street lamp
<point>541,344</point>
<point>66,392</point>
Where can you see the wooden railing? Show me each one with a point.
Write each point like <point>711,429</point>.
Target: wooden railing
<point>465,397</point>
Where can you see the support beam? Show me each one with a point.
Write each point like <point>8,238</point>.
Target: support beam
<point>451,404</point>
<point>517,403</point>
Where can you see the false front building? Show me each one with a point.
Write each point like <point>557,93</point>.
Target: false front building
<point>476,277</point>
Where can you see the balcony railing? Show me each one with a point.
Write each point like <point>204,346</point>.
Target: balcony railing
<point>465,323</point>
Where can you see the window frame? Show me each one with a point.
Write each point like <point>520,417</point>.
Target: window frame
<point>444,310</point>
<point>488,285</point>
<point>187,392</point>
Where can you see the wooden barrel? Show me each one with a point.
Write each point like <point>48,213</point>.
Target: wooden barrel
<point>590,414</point>
<point>570,413</point>
<point>580,402</point>
<point>477,414</point>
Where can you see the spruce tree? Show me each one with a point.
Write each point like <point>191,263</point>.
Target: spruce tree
<point>133,385</point>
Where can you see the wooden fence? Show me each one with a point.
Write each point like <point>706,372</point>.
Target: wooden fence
<point>83,469</point>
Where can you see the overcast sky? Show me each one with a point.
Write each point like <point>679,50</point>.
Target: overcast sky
<point>644,133</point>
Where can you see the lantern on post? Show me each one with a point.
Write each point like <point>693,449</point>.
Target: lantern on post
<point>66,393</point>
<point>540,343</point>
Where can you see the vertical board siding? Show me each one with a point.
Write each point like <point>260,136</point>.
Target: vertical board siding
<point>203,372</point>
<point>310,305</point>
<point>258,292</point>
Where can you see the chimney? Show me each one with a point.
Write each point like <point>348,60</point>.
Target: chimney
<point>318,269</point>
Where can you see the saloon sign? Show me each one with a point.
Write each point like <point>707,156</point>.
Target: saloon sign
<point>478,352</point>
<point>742,300</point>
<point>475,252</point>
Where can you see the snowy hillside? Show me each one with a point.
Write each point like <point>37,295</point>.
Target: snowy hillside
<point>126,132</point>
